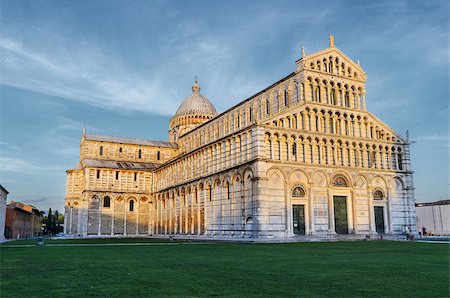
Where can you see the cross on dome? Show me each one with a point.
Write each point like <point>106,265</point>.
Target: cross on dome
<point>196,87</point>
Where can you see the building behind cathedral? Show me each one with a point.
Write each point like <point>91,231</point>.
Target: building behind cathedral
<point>302,156</point>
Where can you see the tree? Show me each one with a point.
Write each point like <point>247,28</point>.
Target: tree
<point>53,223</point>
<point>50,223</point>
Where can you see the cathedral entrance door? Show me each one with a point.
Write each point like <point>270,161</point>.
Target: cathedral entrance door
<point>379,219</point>
<point>340,214</point>
<point>298,212</point>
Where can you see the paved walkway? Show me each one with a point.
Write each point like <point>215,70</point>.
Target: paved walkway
<point>190,240</point>
<point>110,244</point>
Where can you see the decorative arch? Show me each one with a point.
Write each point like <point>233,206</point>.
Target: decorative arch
<point>340,181</point>
<point>361,182</point>
<point>226,180</point>
<point>299,175</point>
<point>236,178</point>
<point>248,172</point>
<point>378,194</point>
<point>275,175</point>
<point>380,182</point>
<point>94,202</point>
<point>298,191</point>
<point>319,178</point>
<point>344,174</point>
<point>398,184</point>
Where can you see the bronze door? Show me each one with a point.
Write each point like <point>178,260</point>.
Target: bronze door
<point>340,215</point>
<point>379,219</point>
<point>298,212</point>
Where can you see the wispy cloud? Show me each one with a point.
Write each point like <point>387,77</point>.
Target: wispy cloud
<point>433,137</point>
<point>11,164</point>
<point>86,77</point>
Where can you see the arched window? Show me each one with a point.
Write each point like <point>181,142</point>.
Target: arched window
<point>227,186</point>
<point>286,98</point>
<point>319,157</point>
<point>279,150</point>
<point>318,99</point>
<point>298,192</point>
<point>101,150</point>
<point>303,153</point>
<point>267,107</point>
<point>347,100</point>
<point>287,150</point>
<point>270,149</point>
<point>140,153</point>
<point>259,111</point>
<point>106,202</point>
<point>340,181</point>
<point>276,103</point>
<point>131,205</point>
<point>378,195</point>
<point>399,161</point>
<point>158,155</point>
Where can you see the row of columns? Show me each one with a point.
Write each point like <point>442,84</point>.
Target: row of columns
<point>336,96</point>
<point>322,153</point>
<point>221,209</point>
<point>334,124</point>
<point>217,157</point>
<point>83,217</point>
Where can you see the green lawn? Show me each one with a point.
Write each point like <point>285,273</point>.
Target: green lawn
<point>373,268</point>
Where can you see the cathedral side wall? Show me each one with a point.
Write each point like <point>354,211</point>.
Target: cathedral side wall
<point>125,152</point>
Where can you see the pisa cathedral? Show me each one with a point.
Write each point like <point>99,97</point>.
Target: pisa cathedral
<point>301,157</point>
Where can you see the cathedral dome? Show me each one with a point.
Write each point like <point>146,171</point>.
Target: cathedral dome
<point>195,110</point>
<point>196,104</point>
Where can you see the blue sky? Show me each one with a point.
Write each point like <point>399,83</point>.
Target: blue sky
<point>123,67</point>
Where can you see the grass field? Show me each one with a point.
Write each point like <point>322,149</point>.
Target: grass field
<point>373,268</point>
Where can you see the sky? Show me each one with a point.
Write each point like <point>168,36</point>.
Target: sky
<point>123,67</point>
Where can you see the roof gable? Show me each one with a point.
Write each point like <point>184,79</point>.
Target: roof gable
<point>310,61</point>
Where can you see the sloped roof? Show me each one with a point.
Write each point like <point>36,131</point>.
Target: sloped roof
<point>134,141</point>
<point>437,203</point>
<point>4,189</point>
<point>123,165</point>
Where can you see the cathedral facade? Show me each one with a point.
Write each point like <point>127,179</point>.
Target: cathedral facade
<point>301,157</point>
